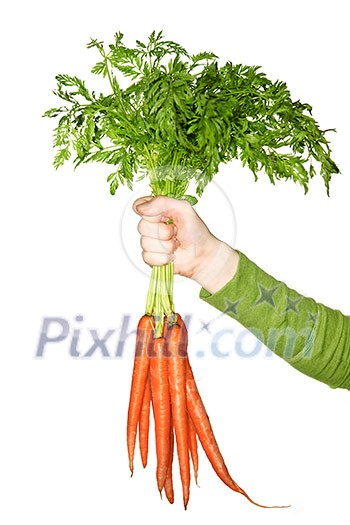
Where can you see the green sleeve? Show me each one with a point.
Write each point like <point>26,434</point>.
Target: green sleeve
<point>310,336</point>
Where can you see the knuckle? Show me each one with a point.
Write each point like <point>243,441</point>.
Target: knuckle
<point>168,246</point>
<point>175,245</point>
<point>185,205</point>
<point>143,242</point>
<point>140,226</point>
<point>165,233</point>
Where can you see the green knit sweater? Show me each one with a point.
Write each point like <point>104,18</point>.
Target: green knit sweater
<point>311,337</point>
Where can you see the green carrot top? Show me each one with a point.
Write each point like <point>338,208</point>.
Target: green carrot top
<point>180,116</point>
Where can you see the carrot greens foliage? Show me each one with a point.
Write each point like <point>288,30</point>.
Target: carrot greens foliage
<point>180,116</point>
<point>174,117</point>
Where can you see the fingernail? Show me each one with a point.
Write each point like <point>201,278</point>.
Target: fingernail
<point>144,205</point>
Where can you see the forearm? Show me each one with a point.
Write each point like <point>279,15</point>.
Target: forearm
<point>310,336</point>
<point>217,267</point>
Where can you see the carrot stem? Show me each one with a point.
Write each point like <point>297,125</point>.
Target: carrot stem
<point>159,302</point>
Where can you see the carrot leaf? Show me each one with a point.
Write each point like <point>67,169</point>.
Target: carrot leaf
<point>176,117</point>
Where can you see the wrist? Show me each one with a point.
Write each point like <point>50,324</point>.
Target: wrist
<point>217,267</point>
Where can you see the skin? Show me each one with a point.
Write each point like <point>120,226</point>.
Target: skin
<point>195,251</point>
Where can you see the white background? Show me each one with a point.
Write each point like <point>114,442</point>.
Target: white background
<point>62,441</point>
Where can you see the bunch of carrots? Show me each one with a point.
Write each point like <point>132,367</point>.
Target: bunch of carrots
<point>180,117</point>
<point>162,377</point>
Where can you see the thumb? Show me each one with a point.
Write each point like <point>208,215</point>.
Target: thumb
<point>141,204</point>
<point>154,206</point>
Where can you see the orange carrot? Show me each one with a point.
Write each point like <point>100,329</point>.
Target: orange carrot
<point>168,484</point>
<point>206,436</point>
<point>192,443</point>
<point>161,407</point>
<point>192,436</point>
<point>144,423</point>
<point>162,375</point>
<point>177,347</point>
<point>177,379</point>
<point>144,336</point>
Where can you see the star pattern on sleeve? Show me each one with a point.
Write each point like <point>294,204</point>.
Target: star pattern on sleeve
<point>266,295</point>
<point>312,317</point>
<point>292,305</point>
<point>231,307</point>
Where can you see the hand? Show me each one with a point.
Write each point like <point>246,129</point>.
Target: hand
<point>197,253</point>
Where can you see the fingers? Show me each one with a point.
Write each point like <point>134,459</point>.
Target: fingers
<point>158,239</point>
<point>149,244</point>
<point>158,242</point>
<point>156,230</point>
<point>157,259</point>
